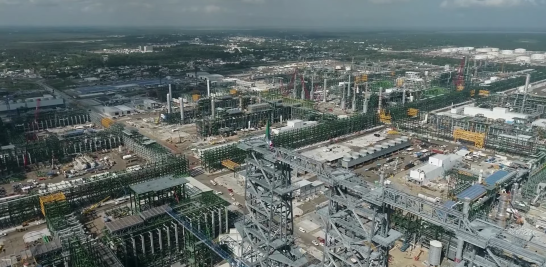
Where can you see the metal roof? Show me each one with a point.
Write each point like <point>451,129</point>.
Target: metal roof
<point>154,212</point>
<point>124,223</point>
<point>495,177</point>
<point>159,184</point>
<point>474,192</point>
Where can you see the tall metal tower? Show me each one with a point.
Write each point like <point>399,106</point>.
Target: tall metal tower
<point>267,230</point>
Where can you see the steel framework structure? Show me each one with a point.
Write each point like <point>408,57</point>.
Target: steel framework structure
<point>161,241</point>
<point>267,230</point>
<point>351,191</point>
<point>16,211</point>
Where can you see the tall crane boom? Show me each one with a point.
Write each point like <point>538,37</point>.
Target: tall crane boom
<point>459,83</point>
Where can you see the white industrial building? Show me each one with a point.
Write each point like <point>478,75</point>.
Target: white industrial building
<point>46,101</point>
<point>111,111</point>
<point>435,168</point>
<point>125,110</point>
<point>294,124</point>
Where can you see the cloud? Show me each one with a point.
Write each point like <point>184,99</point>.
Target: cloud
<point>487,3</point>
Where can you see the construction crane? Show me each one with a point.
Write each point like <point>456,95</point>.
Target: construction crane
<point>96,205</point>
<point>459,82</point>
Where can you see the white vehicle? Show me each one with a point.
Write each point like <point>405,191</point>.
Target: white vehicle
<point>302,230</point>
<point>213,182</point>
<point>3,234</point>
<point>218,192</point>
<point>315,242</point>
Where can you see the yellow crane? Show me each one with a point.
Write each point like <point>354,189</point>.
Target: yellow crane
<point>95,206</point>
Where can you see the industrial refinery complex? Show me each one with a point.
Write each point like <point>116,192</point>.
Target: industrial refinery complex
<point>322,163</point>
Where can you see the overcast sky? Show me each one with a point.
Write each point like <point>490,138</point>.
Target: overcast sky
<point>277,13</point>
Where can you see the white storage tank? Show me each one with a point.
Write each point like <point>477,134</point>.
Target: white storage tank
<point>491,56</point>
<point>480,57</point>
<point>392,143</point>
<point>355,155</point>
<point>483,50</point>
<point>385,145</point>
<point>435,253</point>
<point>523,59</point>
<point>347,158</point>
<point>363,152</point>
<point>507,52</point>
<point>538,57</point>
<point>377,148</point>
<point>520,50</point>
<point>371,150</point>
<point>446,50</point>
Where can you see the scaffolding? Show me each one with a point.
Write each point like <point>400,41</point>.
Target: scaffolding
<point>477,138</point>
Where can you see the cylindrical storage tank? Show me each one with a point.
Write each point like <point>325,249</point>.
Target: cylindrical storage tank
<point>507,52</point>
<point>385,145</point>
<point>480,57</point>
<point>520,50</point>
<point>491,56</point>
<point>392,143</point>
<point>538,56</point>
<point>371,150</point>
<point>524,59</point>
<point>347,158</point>
<point>483,50</point>
<point>435,253</point>
<point>446,50</point>
<point>355,155</point>
<point>494,49</point>
<point>377,148</point>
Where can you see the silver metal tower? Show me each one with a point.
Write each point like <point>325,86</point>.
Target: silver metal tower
<point>267,230</point>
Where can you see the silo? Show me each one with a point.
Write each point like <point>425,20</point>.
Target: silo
<point>538,57</point>
<point>435,253</point>
<point>523,59</point>
<point>483,50</point>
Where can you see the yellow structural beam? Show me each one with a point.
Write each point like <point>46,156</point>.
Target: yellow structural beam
<point>483,93</point>
<point>412,112</point>
<point>51,198</point>
<point>230,164</point>
<point>477,138</point>
<point>384,117</point>
<point>106,122</point>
